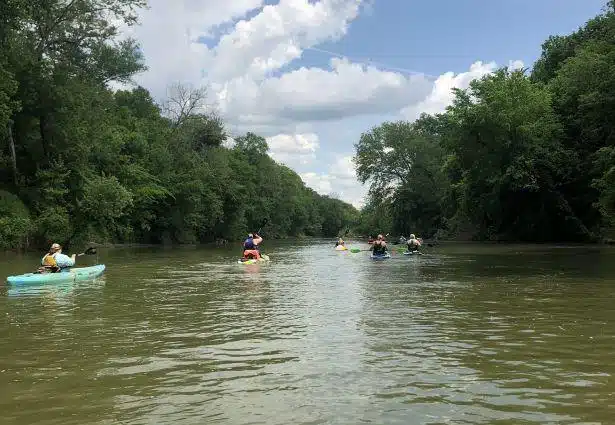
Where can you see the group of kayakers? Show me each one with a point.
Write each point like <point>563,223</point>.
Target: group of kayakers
<point>55,261</point>
<point>379,245</point>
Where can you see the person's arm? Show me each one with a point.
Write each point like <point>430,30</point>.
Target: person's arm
<point>257,240</point>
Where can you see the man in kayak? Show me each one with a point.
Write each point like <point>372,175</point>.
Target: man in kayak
<point>54,261</point>
<point>250,247</point>
<point>339,242</point>
<point>379,247</point>
<point>413,243</point>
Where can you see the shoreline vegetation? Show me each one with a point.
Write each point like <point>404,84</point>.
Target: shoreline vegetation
<point>82,162</point>
<point>520,156</point>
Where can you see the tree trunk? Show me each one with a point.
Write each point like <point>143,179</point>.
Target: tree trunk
<point>12,147</point>
<point>43,124</point>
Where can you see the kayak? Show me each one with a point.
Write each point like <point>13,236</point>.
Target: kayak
<point>340,248</point>
<point>413,253</point>
<point>264,259</point>
<point>73,275</point>
<point>380,256</point>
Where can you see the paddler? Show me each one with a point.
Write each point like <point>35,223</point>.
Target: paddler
<point>414,243</point>
<point>339,242</point>
<point>379,247</point>
<point>54,261</point>
<point>250,247</point>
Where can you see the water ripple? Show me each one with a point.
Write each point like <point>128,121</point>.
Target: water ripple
<point>459,336</point>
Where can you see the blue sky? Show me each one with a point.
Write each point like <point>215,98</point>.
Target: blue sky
<point>312,75</point>
<point>446,35</point>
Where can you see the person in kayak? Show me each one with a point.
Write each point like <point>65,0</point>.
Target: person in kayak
<point>54,261</point>
<point>250,247</point>
<point>379,247</point>
<point>413,243</point>
<point>339,242</point>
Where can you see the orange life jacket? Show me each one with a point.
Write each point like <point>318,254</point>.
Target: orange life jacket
<point>252,253</point>
<point>49,260</point>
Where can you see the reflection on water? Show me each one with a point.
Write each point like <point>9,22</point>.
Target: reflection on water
<point>464,334</point>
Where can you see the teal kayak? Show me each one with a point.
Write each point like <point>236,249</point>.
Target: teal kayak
<point>73,275</point>
<point>380,256</point>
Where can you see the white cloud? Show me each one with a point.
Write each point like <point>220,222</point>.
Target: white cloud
<point>315,94</point>
<point>278,34</point>
<point>442,94</point>
<point>293,149</point>
<point>340,180</point>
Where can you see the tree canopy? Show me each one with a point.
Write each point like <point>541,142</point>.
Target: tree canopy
<point>519,155</point>
<point>82,162</point>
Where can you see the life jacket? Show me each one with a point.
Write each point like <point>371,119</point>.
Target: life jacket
<point>249,244</point>
<point>49,264</point>
<point>49,260</point>
<point>252,253</point>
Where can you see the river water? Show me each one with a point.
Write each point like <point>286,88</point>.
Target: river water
<point>465,334</point>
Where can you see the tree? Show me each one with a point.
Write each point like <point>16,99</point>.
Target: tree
<point>402,161</point>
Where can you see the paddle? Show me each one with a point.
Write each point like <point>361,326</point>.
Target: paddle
<point>90,251</point>
<point>262,225</point>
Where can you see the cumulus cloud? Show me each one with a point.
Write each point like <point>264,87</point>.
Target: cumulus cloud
<point>278,34</point>
<point>315,94</point>
<point>442,94</point>
<point>293,149</point>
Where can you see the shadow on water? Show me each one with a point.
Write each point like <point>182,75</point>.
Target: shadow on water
<point>464,334</point>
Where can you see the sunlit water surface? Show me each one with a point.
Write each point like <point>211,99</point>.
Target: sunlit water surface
<point>465,334</point>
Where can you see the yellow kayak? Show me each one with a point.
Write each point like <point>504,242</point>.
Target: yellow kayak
<point>340,248</point>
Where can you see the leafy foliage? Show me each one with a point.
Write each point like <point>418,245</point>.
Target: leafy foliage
<point>116,166</point>
<point>515,157</point>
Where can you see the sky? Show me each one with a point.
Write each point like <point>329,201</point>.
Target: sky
<point>312,75</point>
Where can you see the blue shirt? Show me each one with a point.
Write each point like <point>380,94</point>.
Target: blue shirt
<point>63,260</point>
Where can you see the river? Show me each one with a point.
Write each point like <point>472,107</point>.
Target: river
<point>465,334</point>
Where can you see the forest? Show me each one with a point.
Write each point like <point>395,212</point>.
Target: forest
<point>521,155</point>
<point>81,162</point>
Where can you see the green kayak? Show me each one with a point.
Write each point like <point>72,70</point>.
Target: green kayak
<point>73,275</point>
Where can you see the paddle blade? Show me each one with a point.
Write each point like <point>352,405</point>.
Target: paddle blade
<point>90,251</point>
<point>355,250</point>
